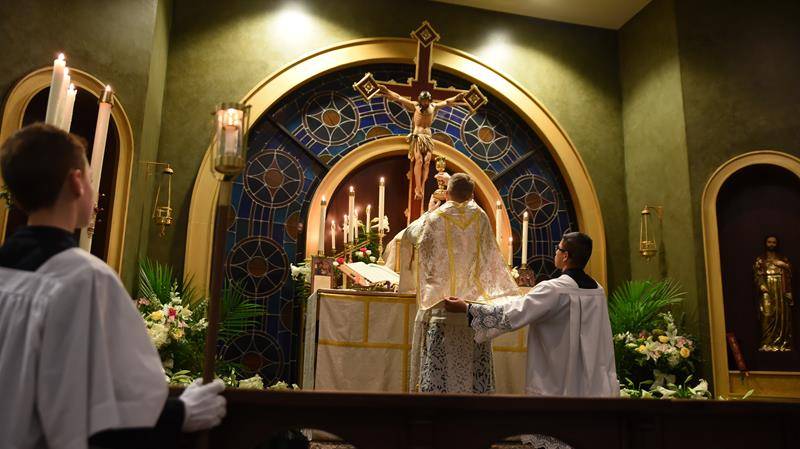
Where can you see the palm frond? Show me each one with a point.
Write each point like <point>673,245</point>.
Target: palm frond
<point>237,314</point>
<point>188,292</point>
<point>155,280</point>
<point>635,305</point>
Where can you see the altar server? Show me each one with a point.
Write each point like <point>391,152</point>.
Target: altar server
<point>77,367</point>
<point>570,348</point>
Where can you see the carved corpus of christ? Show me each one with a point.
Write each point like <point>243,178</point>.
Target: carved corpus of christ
<point>429,98</point>
<point>420,140</point>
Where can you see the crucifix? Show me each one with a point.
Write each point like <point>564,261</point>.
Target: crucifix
<point>429,99</point>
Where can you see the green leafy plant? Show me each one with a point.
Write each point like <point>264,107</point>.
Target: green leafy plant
<point>175,317</point>
<point>157,280</point>
<point>237,315</point>
<point>635,306</point>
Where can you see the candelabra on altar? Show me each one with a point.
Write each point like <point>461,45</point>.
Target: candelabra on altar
<point>380,242</point>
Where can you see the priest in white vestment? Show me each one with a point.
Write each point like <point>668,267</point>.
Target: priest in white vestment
<point>570,348</point>
<point>401,252</point>
<point>457,256</point>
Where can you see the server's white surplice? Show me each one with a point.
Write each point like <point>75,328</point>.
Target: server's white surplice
<point>570,347</point>
<point>75,358</point>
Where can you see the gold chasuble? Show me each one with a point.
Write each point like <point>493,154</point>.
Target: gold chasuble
<point>457,256</point>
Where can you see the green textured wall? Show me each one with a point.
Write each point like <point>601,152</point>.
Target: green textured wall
<point>740,65</point>
<point>144,180</point>
<point>219,54</point>
<point>702,82</point>
<point>656,160</point>
<point>112,40</point>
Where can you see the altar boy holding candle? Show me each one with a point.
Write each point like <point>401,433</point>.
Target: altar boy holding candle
<point>77,367</point>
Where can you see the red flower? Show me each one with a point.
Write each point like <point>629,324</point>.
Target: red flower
<point>363,250</point>
<point>340,260</point>
<point>171,314</point>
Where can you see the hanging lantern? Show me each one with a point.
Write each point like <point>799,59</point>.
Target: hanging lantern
<point>162,213</point>
<point>648,247</point>
<point>231,122</point>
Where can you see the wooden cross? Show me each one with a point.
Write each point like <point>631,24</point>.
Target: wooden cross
<point>426,36</point>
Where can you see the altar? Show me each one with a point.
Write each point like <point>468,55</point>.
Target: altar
<point>360,341</point>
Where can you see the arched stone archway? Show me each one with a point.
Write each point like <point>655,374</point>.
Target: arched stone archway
<point>17,101</point>
<point>391,50</point>
<point>767,384</point>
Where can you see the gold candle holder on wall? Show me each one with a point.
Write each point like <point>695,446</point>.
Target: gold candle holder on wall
<point>162,205</point>
<point>648,246</point>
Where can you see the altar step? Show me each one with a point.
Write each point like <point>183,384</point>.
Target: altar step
<point>332,445</point>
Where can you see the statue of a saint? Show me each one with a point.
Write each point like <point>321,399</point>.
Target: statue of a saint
<point>773,275</point>
<point>421,139</point>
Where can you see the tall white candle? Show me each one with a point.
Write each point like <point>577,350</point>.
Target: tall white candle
<point>351,212</point>
<point>66,117</point>
<point>525,238</point>
<point>346,229</point>
<point>510,251</point>
<point>232,123</point>
<point>381,195</point>
<point>497,212</point>
<point>355,228</point>
<point>369,210</point>
<point>98,152</point>
<point>333,236</point>
<point>62,100</point>
<point>322,210</point>
<point>56,83</point>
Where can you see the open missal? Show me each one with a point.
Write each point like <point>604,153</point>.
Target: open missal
<point>368,274</point>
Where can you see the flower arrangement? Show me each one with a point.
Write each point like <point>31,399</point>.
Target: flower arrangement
<point>374,224</point>
<point>364,254</point>
<point>654,359</point>
<point>669,391</point>
<point>301,277</point>
<point>175,318</point>
<point>171,322</point>
<point>184,378</point>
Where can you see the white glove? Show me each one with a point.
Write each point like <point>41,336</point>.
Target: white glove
<point>203,405</point>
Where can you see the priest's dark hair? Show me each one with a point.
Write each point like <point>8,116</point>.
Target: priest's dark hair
<point>579,248</point>
<point>35,162</point>
<point>460,188</point>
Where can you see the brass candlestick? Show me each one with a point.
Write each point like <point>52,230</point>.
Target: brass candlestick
<point>380,243</point>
